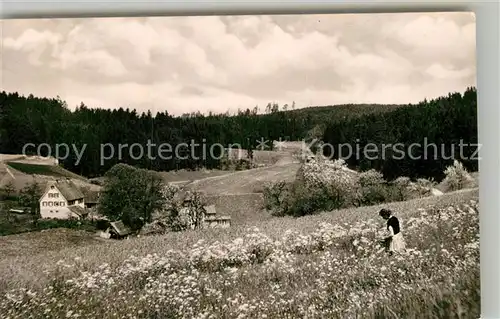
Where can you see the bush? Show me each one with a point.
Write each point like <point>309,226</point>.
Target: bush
<point>323,185</point>
<point>423,187</point>
<point>180,212</point>
<point>101,224</point>
<point>399,189</point>
<point>319,186</point>
<point>66,223</point>
<point>275,194</point>
<point>240,164</point>
<point>457,177</point>
<point>372,188</point>
<point>302,201</point>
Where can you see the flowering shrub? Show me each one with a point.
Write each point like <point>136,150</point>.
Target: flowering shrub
<point>401,188</point>
<point>457,177</point>
<point>319,185</point>
<point>324,185</point>
<point>331,272</point>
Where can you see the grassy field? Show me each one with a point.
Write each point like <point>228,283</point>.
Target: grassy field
<point>332,270</point>
<point>33,243</point>
<point>244,209</point>
<point>27,267</point>
<point>268,158</point>
<point>185,175</point>
<point>248,181</point>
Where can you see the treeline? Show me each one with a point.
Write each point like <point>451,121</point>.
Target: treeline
<point>439,130</point>
<point>36,120</point>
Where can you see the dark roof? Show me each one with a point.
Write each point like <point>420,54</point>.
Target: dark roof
<point>69,190</point>
<point>210,210</point>
<point>77,210</point>
<point>91,197</point>
<point>120,228</point>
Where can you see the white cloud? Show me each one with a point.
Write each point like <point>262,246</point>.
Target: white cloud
<point>33,42</point>
<point>31,39</point>
<point>439,36</point>
<point>241,61</point>
<point>441,72</point>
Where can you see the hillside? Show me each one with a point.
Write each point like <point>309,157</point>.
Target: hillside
<point>46,170</point>
<point>248,181</point>
<point>20,172</point>
<point>343,112</point>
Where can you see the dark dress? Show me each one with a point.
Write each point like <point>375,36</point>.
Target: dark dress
<point>394,223</point>
<point>395,243</point>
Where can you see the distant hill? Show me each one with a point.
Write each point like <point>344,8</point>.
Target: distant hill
<point>323,114</point>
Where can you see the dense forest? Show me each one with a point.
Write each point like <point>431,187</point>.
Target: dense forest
<point>437,128</point>
<point>43,120</point>
<point>49,120</point>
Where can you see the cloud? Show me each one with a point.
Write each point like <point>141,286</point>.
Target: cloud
<point>441,72</point>
<point>33,42</point>
<point>186,64</point>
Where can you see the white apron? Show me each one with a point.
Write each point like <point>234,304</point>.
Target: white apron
<point>397,243</point>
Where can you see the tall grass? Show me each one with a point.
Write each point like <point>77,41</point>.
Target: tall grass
<point>330,271</point>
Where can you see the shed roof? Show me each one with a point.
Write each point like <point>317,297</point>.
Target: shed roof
<point>120,228</point>
<point>210,210</point>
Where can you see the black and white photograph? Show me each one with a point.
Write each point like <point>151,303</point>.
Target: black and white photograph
<point>240,166</point>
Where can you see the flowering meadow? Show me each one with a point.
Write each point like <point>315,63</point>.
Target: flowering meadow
<point>334,271</point>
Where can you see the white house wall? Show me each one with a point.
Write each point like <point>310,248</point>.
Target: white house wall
<point>49,208</point>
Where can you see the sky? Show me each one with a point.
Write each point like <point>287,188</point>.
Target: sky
<point>222,63</point>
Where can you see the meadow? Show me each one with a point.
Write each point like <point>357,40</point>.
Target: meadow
<point>325,265</point>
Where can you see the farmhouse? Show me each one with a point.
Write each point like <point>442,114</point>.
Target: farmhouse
<point>211,220</point>
<point>62,199</point>
<point>91,198</point>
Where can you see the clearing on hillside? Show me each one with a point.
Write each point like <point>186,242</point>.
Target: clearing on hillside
<point>21,175</point>
<point>47,170</point>
<point>248,181</point>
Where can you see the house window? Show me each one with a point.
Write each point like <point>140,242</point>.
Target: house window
<point>61,203</point>
<point>56,203</point>
<point>44,204</point>
<point>50,204</point>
